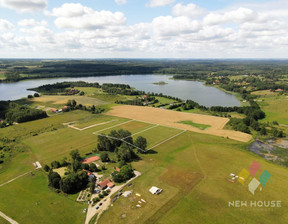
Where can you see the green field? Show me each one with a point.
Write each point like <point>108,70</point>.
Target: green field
<point>29,200</point>
<point>2,76</point>
<point>275,108</point>
<point>192,169</point>
<point>199,126</point>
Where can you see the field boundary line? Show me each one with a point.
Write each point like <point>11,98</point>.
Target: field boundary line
<point>167,139</point>
<point>161,125</point>
<point>9,181</point>
<point>141,131</point>
<point>90,126</point>
<point>12,221</point>
<point>112,126</point>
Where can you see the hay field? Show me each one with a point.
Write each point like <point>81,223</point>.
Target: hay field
<point>62,100</point>
<point>171,118</point>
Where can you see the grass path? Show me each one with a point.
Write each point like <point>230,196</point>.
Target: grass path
<point>9,181</point>
<point>12,221</point>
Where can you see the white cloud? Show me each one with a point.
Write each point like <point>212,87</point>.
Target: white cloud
<point>31,22</point>
<point>120,2</point>
<point>80,17</point>
<point>25,5</point>
<point>236,16</point>
<point>173,26</point>
<point>5,25</point>
<point>190,10</point>
<point>158,3</point>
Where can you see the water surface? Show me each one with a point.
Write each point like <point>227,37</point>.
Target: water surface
<point>194,90</point>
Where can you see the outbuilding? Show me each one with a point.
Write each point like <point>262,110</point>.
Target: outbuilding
<point>155,190</point>
<point>127,194</point>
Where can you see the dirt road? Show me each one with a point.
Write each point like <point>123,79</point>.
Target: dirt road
<point>92,209</point>
<point>171,118</point>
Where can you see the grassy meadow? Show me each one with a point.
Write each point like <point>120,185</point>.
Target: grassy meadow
<point>274,105</point>
<point>196,125</point>
<point>192,169</point>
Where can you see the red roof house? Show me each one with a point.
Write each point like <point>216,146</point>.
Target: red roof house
<point>106,183</point>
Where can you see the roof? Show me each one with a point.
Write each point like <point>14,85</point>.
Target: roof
<point>127,194</point>
<point>155,190</point>
<point>90,159</point>
<point>117,169</point>
<point>106,183</point>
<point>110,184</point>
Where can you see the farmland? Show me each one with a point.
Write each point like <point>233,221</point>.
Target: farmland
<point>192,170</point>
<point>190,167</point>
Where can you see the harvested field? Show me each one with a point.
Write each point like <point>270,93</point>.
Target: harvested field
<point>62,100</point>
<point>171,118</point>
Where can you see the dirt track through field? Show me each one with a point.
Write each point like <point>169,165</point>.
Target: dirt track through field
<point>170,118</point>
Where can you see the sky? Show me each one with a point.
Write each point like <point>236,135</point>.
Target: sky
<point>143,29</point>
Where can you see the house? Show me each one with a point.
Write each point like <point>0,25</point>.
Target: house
<point>54,110</point>
<point>106,184</point>
<point>279,90</point>
<point>117,169</point>
<point>155,190</point>
<point>90,159</point>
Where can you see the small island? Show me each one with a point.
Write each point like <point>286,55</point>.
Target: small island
<point>160,83</point>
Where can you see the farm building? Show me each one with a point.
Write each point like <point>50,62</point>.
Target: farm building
<point>155,190</point>
<point>106,184</point>
<point>54,110</point>
<point>90,159</point>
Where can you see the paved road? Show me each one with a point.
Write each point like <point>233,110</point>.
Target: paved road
<point>92,210</point>
<point>8,218</point>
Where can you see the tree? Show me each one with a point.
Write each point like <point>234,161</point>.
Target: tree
<point>54,179</point>
<point>74,103</point>
<point>64,162</point>
<point>141,143</point>
<point>76,158</point>
<point>125,153</point>
<point>46,168</point>
<point>74,182</point>
<point>36,95</point>
<point>93,167</point>
<point>263,131</point>
<point>104,143</point>
<point>126,135</point>
<point>30,96</point>
<point>126,172</point>
<point>104,157</point>
<point>75,155</point>
<point>55,164</point>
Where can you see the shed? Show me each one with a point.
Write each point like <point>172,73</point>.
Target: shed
<point>155,190</point>
<point>127,194</point>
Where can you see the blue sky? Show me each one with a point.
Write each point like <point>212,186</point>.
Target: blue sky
<point>143,29</point>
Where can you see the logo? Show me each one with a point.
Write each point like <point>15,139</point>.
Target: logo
<point>244,176</point>
<point>255,178</point>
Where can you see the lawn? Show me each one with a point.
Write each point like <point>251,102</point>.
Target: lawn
<point>275,108</point>
<point>29,200</point>
<point>192,170</point>
<point>199,126</point>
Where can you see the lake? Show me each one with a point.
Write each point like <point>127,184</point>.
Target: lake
<point>183,89</point>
